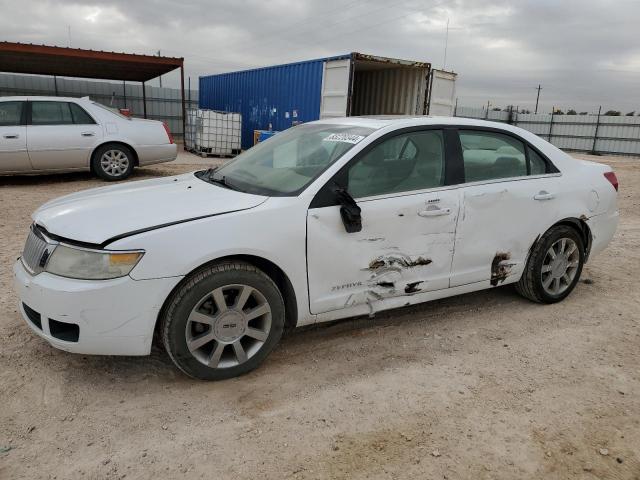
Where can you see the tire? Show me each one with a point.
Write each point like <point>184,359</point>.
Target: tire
<point>547,286</point>
<point>113,162</point>
<point>202,338</point>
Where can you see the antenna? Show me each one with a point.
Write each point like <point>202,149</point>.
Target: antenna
<point>446,43</point>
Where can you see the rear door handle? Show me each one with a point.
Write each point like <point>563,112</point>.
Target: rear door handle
<point>87,134</point>
<point>434,212</point>
<point>543,195</point>
<point>11,135</point>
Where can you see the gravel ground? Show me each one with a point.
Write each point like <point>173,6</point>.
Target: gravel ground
<point>480,386</point>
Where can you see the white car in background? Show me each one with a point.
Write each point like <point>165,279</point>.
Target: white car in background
<point>58,134</point>
<point>326,220</point>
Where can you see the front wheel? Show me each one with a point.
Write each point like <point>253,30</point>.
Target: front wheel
<point>112,162</point>
<point>223,321</point>
<point>554,266</point>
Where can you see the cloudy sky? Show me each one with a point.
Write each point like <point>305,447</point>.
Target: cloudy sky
<point>583,52</point>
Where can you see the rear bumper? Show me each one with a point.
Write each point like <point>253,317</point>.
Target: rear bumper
<point>107,317</point>
<point>150,154</point>
<point>603,228</point>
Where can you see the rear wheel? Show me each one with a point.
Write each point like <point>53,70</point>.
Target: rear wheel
<point>223,322</point>
<point>554,266</point>
<point>113,162</point>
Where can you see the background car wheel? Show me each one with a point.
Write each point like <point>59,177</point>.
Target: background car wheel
<point>112,162</point>
<point>554,266</point>
<point>223,321</point>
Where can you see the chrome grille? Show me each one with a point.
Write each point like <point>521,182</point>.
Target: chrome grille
<point>34,249</point>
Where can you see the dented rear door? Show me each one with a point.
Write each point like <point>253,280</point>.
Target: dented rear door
<point>405,248</point>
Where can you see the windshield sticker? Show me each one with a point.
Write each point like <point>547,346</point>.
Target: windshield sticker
<point>344,137</point>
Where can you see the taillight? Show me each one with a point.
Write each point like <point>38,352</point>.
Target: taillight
<point>611,176</point>
<point>166,129</point>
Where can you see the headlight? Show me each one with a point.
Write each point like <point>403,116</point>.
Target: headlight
<point>87,264</point>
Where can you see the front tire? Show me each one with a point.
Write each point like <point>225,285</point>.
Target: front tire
<point>112,162</point>
<point>223,321</point>
<point>554,266</point>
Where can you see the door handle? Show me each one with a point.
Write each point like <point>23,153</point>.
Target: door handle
<point>434,212</point>
<point>87,134</point>
<point>544,195</point>
<point>11,135</point>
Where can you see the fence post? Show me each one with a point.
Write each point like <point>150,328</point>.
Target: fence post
<point>553,111</point>
<point>595,134</point>
<point>455,108</point>
<point>510,117</point>
<point>515,119</point>
<point>486,117</point>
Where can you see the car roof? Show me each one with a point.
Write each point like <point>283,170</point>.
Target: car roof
<point>400,121</point>
<point>44,98</point>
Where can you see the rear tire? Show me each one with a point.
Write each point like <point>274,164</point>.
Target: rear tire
<point>223,321</point>
<point>554,266</point>
<point>113,162</point>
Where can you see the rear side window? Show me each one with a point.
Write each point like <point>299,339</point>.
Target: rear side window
<point>11,114</point>
<point>412,161</point>
<point>491,155</point>
<point>51,113</point>
<point>537,164</point>
<point>80,116</point>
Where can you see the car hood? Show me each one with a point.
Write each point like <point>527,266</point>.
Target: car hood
<point>99,215</point>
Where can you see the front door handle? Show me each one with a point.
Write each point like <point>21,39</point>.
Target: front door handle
<point>87,134</point>
<point>544,195</point>
<point>434,212</point>
<point>11,135</point>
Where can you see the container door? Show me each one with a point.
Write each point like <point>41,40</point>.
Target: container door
<point>443,93</point>
<point>335,88</point>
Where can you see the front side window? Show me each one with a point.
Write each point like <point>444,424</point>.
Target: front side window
<point>491,155</point>
<point>290,160</point>
<point>50,113</point>
<point>412,161</point>
<point>11,114</point>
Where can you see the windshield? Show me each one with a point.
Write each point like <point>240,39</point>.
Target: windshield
<point>289,161</point>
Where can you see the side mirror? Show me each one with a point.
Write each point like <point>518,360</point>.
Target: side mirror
<point>349,211</point>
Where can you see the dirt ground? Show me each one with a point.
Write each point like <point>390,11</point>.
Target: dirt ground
<point>481,386</point>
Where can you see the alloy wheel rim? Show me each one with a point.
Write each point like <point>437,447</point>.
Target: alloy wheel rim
<point>228,326</point>
<point>560,266</point>
<point>114,162</point>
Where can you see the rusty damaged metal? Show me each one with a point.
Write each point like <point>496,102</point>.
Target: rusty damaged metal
<point>500,267</point>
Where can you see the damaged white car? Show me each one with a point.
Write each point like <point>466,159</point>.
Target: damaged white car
<point>327,220</point>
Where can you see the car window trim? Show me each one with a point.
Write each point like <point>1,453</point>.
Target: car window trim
<point>325,197</point>
<point>550,166</point>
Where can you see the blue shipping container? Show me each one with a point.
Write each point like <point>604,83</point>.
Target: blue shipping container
<point>276,97</point>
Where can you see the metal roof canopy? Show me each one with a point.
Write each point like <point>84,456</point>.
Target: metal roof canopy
<point>76,62</point>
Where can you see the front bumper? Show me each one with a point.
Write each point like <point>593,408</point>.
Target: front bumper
<point>105,317</point>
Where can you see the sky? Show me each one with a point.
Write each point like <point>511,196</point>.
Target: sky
<point>583,53</point>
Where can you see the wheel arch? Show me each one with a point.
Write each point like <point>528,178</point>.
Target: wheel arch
<point>272,270</point>
<point>136,160</point>
<point>578,224</point>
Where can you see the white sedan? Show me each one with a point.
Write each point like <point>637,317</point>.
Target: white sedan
<point>57,134</point>
<point>327,220</point>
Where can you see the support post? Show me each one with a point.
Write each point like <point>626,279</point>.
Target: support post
<point>184,109</point>
<point>455,108</point>
<point>55,84</point>
<point>595,134</point>
<point>538,98</point>
<point>124,91</point>
<point>144,99</point>
<point>553,111</point>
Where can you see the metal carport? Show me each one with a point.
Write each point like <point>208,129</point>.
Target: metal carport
<point>76,62</point>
